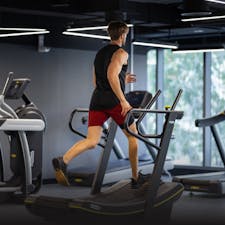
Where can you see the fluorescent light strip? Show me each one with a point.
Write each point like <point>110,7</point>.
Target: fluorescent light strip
<point>87,28</point>
<point>21,29</point>
<point>24,33</point>
<point>71,32</point>
<point>203,18</point>
<point>216,1</point>
<point>92,28</point>
<point>155,45</point>
<point>199,50</point>
<point>86,35</point>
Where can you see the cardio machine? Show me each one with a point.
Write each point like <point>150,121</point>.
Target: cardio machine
<point>24,130</point>
<point>211,182</point>
<point>153,201</point>
<point>119,167</point>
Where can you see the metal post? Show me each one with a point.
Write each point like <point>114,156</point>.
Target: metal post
<point>131,86</point>
<point>159,85</point>
<point>218,143</point>
<point>207,153</point>
<point>103,162</point>
<point>159,164</point>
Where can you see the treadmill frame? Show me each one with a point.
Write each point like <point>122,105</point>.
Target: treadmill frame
<point>212,186</point>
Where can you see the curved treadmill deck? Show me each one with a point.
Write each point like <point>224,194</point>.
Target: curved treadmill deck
<point>117,201</point>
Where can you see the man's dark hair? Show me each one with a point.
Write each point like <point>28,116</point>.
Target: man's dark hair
<point>116,29</point>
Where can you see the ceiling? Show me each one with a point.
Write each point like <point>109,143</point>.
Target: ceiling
<point>154,20</point>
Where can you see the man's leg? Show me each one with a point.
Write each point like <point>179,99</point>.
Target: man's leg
<point>93,138</point>
<point>115,113</point>
<point>60,163</point>
<point>133,150</point>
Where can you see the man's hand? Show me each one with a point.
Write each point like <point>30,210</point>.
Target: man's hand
<point>125,107</point>
<point>130,78</point>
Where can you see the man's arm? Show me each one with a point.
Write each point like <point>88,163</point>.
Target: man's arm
<point>119,58</point>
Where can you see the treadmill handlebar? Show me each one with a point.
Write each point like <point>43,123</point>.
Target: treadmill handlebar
<point>145,137</point>
<point>210,121</point>
<point>79,110</point>
<point>71,120</point>
<point>148,106</point>
<point>177,99</point>
<point>7,83</point>
<point>140,117</point>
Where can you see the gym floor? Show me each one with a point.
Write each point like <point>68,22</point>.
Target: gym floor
<point>189,209</point>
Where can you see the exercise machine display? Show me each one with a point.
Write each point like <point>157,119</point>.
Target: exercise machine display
<point>153,201</point>
<point>118,168</point>
<point>24,128</point>
<point>213,182</point>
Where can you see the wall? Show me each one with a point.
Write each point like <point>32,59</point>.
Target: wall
<point>61,80</point>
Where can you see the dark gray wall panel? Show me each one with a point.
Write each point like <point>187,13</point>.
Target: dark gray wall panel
<point>61,81</point>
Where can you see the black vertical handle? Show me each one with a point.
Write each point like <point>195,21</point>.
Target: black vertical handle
<point>177,99</point>
<point>148,106</point>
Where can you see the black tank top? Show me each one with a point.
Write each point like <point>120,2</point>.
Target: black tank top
<point>103,96</point>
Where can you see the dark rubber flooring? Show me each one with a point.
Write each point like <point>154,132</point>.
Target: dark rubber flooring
<point>189,209</point>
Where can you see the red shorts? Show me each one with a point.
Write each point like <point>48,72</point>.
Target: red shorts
<point>97,118</point>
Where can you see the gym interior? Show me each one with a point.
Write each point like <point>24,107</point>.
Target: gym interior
<point>46,62</point>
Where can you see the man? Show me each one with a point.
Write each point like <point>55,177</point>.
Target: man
<point>108,100</point>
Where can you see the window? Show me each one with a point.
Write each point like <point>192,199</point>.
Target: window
<point>151,71</point>
<point>185,71</point>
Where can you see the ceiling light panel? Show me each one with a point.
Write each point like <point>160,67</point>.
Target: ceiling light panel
<point>198,50</point>
<point>203,18</point>
<point>13,32</point>
<point>80,32</point>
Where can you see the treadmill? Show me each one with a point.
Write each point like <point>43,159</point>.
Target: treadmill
<point>118,168</point>
<point>152,202</point>
<point>212,182</point>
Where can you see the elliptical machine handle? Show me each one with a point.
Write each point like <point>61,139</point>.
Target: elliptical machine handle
<point>7,83</point>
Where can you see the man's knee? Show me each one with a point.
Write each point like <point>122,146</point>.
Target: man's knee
<point>92,143</point>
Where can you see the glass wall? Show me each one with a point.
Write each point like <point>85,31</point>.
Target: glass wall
<point>151,71</point>
<point>217,100</point>
<point>182,71</point>
<point>185,71</point>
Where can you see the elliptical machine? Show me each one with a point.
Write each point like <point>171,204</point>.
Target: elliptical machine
<point>24,128</point>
